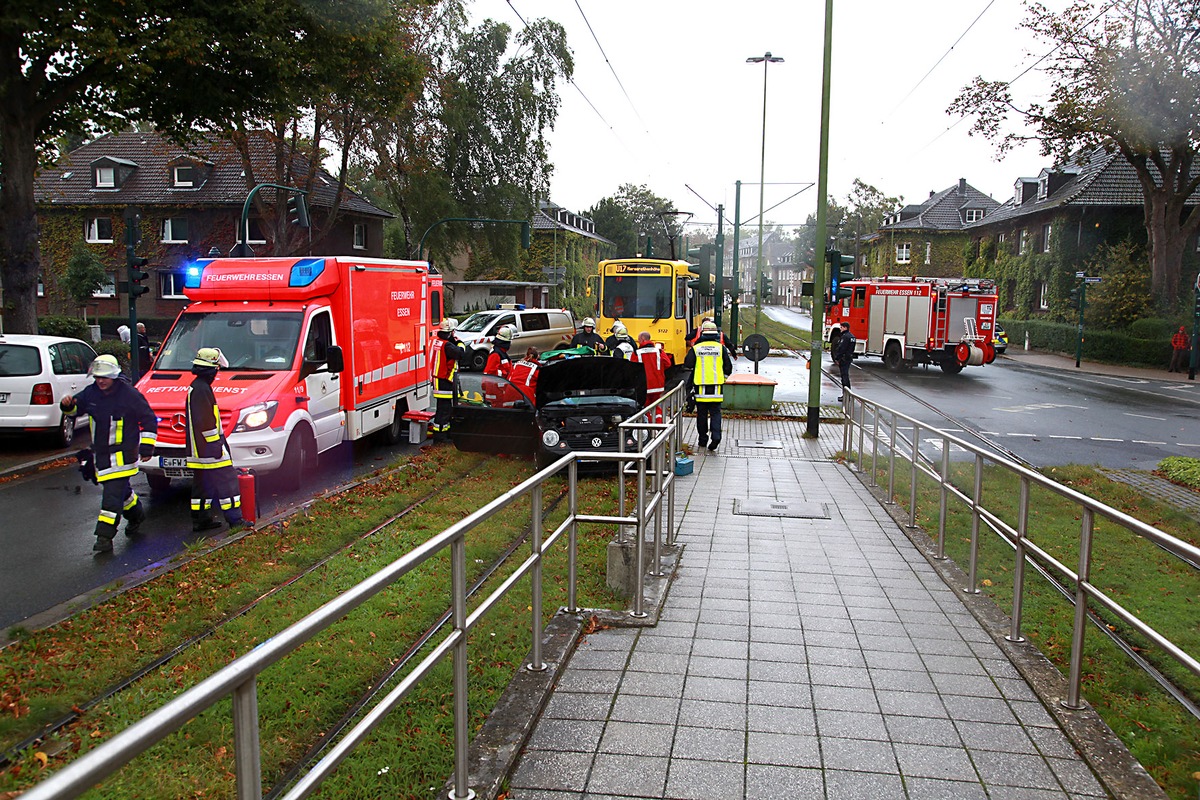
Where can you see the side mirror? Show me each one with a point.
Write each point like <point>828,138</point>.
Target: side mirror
<point>335,359</point>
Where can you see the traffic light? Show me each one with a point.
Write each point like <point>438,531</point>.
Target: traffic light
<point>765,288</point>
<point>706,255</point>
<point>836,263</point>
<point>137,275</point>
<point>1077,298</point>
<point>298,210</point>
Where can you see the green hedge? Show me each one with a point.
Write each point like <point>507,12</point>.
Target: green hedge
<point>59,325</point>
<point>1106,346</point>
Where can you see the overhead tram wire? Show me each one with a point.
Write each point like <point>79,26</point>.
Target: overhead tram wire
<point>611,69</point>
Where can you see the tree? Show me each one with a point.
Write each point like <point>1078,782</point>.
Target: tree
<point>1126,78</point>
<point>631,215</point>
<point>86,65</point>
<point>85,274</point>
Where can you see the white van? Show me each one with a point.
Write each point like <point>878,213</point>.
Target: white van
<point>542,328</point>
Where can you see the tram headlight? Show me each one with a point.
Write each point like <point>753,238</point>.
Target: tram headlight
<point>550,438</point>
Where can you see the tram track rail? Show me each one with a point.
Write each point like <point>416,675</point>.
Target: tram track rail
<point>1180,695</point>
<point>79,710</point>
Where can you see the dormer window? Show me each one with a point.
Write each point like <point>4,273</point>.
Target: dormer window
<point>106,178</point>
<point>183,177</point>
<point>111,173</point>
<point>973,214</point>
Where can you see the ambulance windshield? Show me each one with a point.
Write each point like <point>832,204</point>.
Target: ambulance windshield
<point>252,341</point>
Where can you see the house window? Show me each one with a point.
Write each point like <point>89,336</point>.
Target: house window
<point>974,214</point>
<point>106,178</point>
<point>170,285</point>
<point>928,252</point>
<point>903,253</point>
<point>360,236</point>
<point>1043,296</point>
<point>109,287</point>
<point>98,230</point>
<point>182,177</point>
<point>256,232</point>
<point>41,287</point>
<point>1046,237</point>
<point>1000,237</point>
<point>175,230</point>
<point>1022,242</point>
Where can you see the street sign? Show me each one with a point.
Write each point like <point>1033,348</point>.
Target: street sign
<point>1080,274</point>
<point>1091,280</point>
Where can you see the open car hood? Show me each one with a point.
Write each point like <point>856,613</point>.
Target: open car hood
<point>591,376</point>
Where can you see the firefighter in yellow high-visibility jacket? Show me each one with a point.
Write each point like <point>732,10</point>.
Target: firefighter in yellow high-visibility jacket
<point>445,351</point>
<point>214,481</point>
<point>708,364</point>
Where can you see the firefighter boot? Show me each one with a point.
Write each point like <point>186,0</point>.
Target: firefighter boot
<point>134,518</point>
<point>203,520</point>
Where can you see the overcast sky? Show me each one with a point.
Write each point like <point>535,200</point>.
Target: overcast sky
<point>693,114</point>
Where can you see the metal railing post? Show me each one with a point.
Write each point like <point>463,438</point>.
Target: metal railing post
<point>573,535</point>
<point>1085,567</point>
<point>458,592</point>
<point>891,493</point>
<point>671,483</point>
<point>621,484</point>
<point>535,578</point>
<point>847,432</point>
<point>912,486</point>
<point>639,550</point>
<point>1014,633</point>
<point>657,483</point>
<point>862,429</point>
<point>976,496</point>
<point>945,478</point>
<point>246,746</point>
<point>874,443</point>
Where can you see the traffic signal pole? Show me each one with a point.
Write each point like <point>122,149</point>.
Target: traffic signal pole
<point>819,280</point>
<point>719,277</point>
<point>135,286</point>
<point>1195,331</point>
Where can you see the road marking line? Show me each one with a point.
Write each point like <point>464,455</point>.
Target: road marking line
<point>1026,435</point>
<point>1060,436</point>
<point>1181,444</point>
<point>1140,441</point>
<point>1100,439</point>
<point>1143,416</point>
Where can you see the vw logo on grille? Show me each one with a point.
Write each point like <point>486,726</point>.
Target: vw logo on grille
<point>179,423</point>
<point>596,442</point>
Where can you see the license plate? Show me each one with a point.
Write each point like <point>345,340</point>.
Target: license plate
<point>3,397</point>
<point>177,473</point>
<point>173,463</point>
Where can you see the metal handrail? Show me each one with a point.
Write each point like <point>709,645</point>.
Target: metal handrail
<point>1017,537</point>
<point>238,679</point>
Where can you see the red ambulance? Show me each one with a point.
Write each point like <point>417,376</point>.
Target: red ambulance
<point>321,350</point>
<point>906,321</point>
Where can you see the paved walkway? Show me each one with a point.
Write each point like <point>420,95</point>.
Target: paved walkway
<point>815,656</point>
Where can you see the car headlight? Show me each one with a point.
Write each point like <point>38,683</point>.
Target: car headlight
<point>255,417</point>
<point>550,438</point>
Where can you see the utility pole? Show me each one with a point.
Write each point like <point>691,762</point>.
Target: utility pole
<point>737,278</point>
<point>819,276</point>
<point>719,278</point>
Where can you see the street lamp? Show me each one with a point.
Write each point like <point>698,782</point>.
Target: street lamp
<point>764,60</point>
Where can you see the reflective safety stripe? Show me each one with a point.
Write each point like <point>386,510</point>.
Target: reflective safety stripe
<point>116,432</point>
<point>709,369</point>
<point>194,462</point>
<point>709,394</point>
<point>116,471</point>
<point>131,502</point>
<point>108,517</point>
<point>148,437</point>
<point>447,395</point>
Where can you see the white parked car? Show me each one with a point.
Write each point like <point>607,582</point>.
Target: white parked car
<point>35,373</point>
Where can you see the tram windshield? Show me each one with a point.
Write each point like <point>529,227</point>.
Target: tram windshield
<point>637,296</point>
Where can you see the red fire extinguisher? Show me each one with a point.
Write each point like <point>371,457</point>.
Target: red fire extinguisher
<point>246,490</point>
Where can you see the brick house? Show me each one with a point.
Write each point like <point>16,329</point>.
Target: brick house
<point>190,201</point>
<point>928,238</point>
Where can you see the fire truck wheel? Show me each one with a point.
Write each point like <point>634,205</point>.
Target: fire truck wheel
<point>299,459</point>
<point>892,357</point>
<point>478,359</point>
<point>950,366</point>
<point>397,432</point>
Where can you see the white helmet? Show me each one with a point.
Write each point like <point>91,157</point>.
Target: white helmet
<point>588,322</point>
<point>708,325</point>
<point>505,334</point>
<point>619,328</point>
<point>105,366</point>
<point>449,324</point>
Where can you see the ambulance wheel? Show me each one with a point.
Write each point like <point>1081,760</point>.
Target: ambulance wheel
<point>159,484</point>
<point>893,359</point>
<point>299,459</point>
<point>397,432</point>
<point>478,360</point>
<point>950,366</point>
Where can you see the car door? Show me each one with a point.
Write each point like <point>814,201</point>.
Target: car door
<point>491,415</point>
<point>324,388</point>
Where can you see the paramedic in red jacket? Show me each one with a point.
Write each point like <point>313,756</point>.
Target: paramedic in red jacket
<point>524,375</point>
<point>656,363</point>
<point>444,354</point>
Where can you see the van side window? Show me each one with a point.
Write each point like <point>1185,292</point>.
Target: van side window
<point>535,322</point>
<point>507,319</point>
<point>320,336</point>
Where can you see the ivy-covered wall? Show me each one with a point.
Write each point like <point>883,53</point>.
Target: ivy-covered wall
<point>945,254</point>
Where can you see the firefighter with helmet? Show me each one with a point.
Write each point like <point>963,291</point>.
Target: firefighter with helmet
<point>588,336</point>
<point>620,344</point>
<point>708,363</point>
<point>124,430</point>
<point>445,353</point>
<point>498,362</point>
<point>214,481</point>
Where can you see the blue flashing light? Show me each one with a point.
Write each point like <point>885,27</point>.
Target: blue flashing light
<point>192,273</point>
<point>305,271</point>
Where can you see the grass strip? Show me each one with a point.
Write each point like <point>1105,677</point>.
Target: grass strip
<point>304,694</point>
<point>1158,588</point>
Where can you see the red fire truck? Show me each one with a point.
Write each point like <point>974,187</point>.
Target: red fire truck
<point>905,321</point>
<point>321,350</point>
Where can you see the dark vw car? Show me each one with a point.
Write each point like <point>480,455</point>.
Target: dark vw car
<point>578,405</point>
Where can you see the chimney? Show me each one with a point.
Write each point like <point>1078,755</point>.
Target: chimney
<point>931,194</point>
<point>962,187</point>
